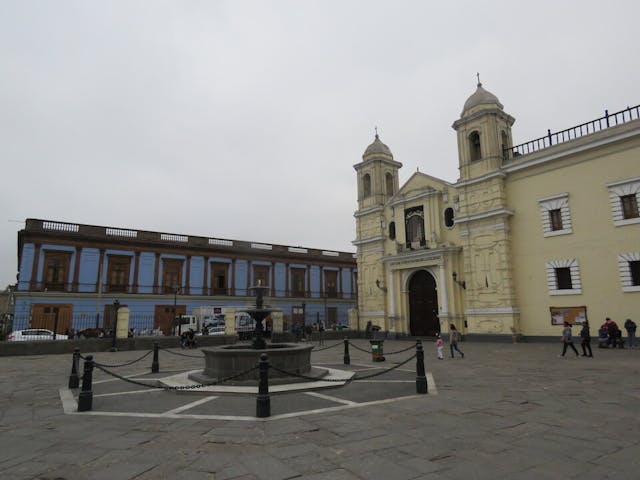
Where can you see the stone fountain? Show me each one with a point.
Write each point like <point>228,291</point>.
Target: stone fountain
<point>230,360</point>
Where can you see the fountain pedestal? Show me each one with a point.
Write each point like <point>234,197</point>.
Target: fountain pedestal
<point>228,360</point>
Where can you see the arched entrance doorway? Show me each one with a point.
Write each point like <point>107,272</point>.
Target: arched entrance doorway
<point>423,305</point>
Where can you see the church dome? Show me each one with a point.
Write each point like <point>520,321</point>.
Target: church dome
<point>481,97</point>
<point>377,148</point>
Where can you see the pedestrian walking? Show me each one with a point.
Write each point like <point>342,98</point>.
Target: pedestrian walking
<point>439,346</point>
<point>586,340</point>
<point>630,327</point>
<point>566,340</point>
<point>454,338</point>
<point>321,333</point>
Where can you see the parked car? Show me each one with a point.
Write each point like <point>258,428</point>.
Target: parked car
<point>34,334</point>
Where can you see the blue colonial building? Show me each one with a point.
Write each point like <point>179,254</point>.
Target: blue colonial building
<point>71,275</point>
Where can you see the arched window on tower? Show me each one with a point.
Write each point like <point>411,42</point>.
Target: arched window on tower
<point>389,183</point>
<point>366,186</point>
<point>474,146</point>
<point>505,144</point>
<point>449,216</point>
<point>392,230</point>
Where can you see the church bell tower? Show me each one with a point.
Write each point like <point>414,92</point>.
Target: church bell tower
<point>377,183</point>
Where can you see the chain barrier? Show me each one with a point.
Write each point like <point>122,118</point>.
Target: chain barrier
<point>305,377</point>
<point>180,354</point>
<point>386,353</point>
<point>413,346</point>
<point>358,348</point>
<point>365,377</point>
<point>354,378</point>
<point>121,364</point>
<point>327,348</point>
<point>184,387</point>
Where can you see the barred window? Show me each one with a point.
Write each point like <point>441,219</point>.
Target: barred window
<point>563,278</point>
<point>629,205</point>
<point>555,219</point>
<point>556,215</point>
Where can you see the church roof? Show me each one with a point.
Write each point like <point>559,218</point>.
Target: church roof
<point>377,147</point>
<point>481,97</point>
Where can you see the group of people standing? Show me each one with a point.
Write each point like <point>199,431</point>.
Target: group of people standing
<point>609,335</point>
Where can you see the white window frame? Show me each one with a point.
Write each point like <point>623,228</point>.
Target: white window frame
<point>630,186</point>
<point>625,271</point>
<point>574,268</point>
<point>556,202</point>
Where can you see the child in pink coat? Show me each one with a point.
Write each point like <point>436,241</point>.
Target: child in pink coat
<point>439,346</point>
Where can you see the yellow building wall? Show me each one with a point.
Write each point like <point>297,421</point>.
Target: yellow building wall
<point>595,241</point>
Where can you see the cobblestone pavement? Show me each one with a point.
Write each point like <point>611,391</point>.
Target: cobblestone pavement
<point>505,411</point>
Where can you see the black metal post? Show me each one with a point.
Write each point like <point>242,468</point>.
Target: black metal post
<point>116,307</point>
<point>155,366</point>
<point>421,378</point>
<point>85,398</point>
<point>56,311</point>
<point>263,403</point>
<point>347,358</point>
<point>74,379</point>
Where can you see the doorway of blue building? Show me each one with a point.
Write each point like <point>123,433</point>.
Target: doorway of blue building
<point>165,317</point>
<point>423,305</point>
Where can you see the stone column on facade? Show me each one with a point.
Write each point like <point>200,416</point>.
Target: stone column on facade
<point>391,301</point>
<point>156,268</point>
<point>136,270</point>
<point>249,274</point>
<point>230,323</point>
<point>353,319</point>
<point>272,282</point>
<point>34,268</point>
<point>277,319</point>
<point>187,282</point>
<point>76,269</point>
<point>122,323</point>
<point>233,276</point>
<point>443,290</point>
<point>100,269</point>
<point>205,276</point>
<point>286,280</point>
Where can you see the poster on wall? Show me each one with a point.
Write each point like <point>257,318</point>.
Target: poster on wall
<point>573,315</point>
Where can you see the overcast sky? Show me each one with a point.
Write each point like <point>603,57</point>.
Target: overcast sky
<point>243,119</point>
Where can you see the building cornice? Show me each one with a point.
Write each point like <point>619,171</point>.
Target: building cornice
<point>563,150</point>
<point>500,212</point>
<point>415,197</point>
<point>366,241</point>
<point>426,255</point>
<point>369,161</point>
<point>367,211</point>
<point>483,178</point>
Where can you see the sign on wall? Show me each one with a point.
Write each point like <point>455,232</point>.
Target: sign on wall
<point>573,315</point>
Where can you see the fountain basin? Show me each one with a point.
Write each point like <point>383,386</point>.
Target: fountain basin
<point>228,360</point>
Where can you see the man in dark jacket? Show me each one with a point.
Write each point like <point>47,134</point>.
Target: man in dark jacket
<point>586,340</point>
<point>630,327</point>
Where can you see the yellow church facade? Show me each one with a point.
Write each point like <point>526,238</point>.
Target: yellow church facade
<point>527,237</point>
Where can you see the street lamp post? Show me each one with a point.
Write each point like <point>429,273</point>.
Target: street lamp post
<point>116,307</point>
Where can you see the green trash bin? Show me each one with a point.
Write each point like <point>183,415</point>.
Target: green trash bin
<point>376,350</point>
